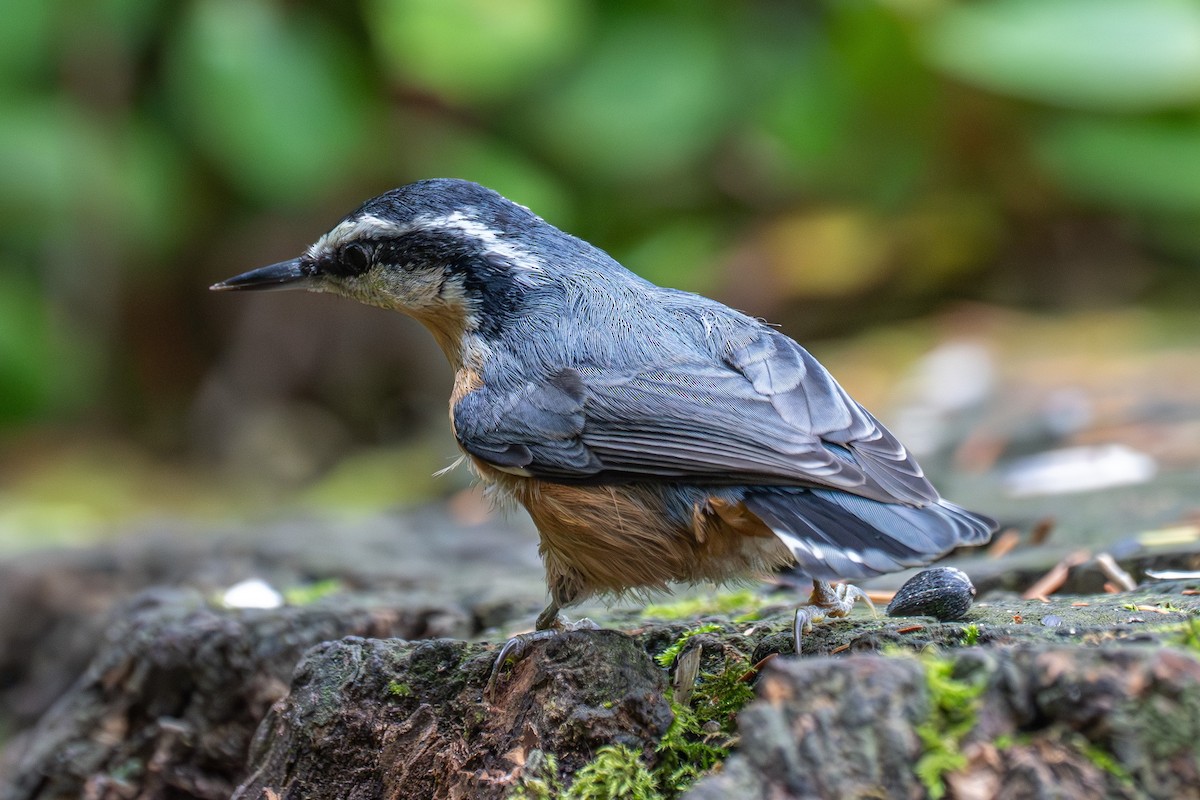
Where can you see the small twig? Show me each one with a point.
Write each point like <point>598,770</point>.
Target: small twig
<point>1114,573</point>
<point>1041,530</point>
<point>752,673</point>
<point>1005,543</point>
<point>1053,580</point>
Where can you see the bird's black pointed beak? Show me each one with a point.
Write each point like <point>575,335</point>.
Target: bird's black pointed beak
<point>284,275</point>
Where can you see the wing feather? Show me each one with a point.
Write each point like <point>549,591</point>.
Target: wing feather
<point>767,413</point>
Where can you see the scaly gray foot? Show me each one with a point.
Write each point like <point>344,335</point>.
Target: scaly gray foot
<point>828,601</point>
<point>516,648</point>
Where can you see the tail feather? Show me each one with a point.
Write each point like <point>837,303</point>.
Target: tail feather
<point>839,535</point>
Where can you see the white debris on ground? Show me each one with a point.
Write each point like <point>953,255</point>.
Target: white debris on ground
<point>1079,469</point>
<point>252,593</point>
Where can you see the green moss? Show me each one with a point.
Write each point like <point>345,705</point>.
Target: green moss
<point>667,657</point>
<point>128,771</point>
<point>742,606</point>
<point>1165,605</point>
<point>539,779</point>
<point>699,737</point>
<point>398,689</point>
<point>719,696</point>
<point>953,710</point>
<point>310,593</point>
<point>1007,740</point>
<point>616,773</point>
<point>1189,635</point>
<point>688,751</point>
<point>697,741</point>
<point>970,635</point>
<point>1168,728</point>
<point>1101,758</point>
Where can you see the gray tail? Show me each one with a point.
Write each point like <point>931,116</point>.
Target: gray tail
<point>836,535</point>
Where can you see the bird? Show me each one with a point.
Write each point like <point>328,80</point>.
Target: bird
<point>654,436</point>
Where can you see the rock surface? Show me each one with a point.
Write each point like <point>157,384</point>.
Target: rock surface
<point>1119,721</point>
<point>54,605</point>
<point>369,718</point>
<point>188,700</point>
<point>380,689</point>
<point>168,705</point>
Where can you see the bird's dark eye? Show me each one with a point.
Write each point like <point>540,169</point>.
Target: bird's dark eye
<point>356,258</point>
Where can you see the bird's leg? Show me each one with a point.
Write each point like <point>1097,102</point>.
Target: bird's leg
<point>549,624</point>
<point>549,620</point>
<point>827,601</point>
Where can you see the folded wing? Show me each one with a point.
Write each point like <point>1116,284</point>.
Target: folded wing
<point>766,413</point>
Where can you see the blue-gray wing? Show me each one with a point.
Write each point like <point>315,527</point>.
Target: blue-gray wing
<point>767,412</point>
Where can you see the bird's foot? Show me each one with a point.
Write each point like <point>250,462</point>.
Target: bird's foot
<point>828,601</point>
<point>518,646</point>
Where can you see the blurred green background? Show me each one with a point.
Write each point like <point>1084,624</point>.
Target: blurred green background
<point>836,166</point>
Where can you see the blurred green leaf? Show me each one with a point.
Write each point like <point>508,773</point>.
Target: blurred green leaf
<point>1097,54</point>
<point>650,100</point>
<point>37,374</point>
<point>683,255</point>
<point>475,50</point>
<point>875,52</point>
<point>25,38</point>
<point>1142,164</point>
<point>852,111</point>
<point>132,21</point>
<point>59,162</point>
<point>445,148</point>
<point>811,114</point>
<point>1178,238</point>
<point>514,176</point>
<point>39,144</point>
<point>149,188</point>
<point>273,100</point>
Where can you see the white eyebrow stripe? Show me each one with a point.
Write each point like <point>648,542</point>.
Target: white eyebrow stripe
<point>489,238</point>
<point>371,226</point>
<point>365,226</point>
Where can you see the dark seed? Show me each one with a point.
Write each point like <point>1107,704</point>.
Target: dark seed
<point>943,592</point>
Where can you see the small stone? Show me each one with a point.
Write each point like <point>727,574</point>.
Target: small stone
<point>944,593</point>
<point>1052,620</point>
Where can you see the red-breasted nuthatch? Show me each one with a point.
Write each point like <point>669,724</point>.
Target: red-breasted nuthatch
<point>653,435</point>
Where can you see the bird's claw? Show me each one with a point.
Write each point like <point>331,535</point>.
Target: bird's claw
<point>828,601</point>
<point>518,646</point>
<point>514,650</point>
